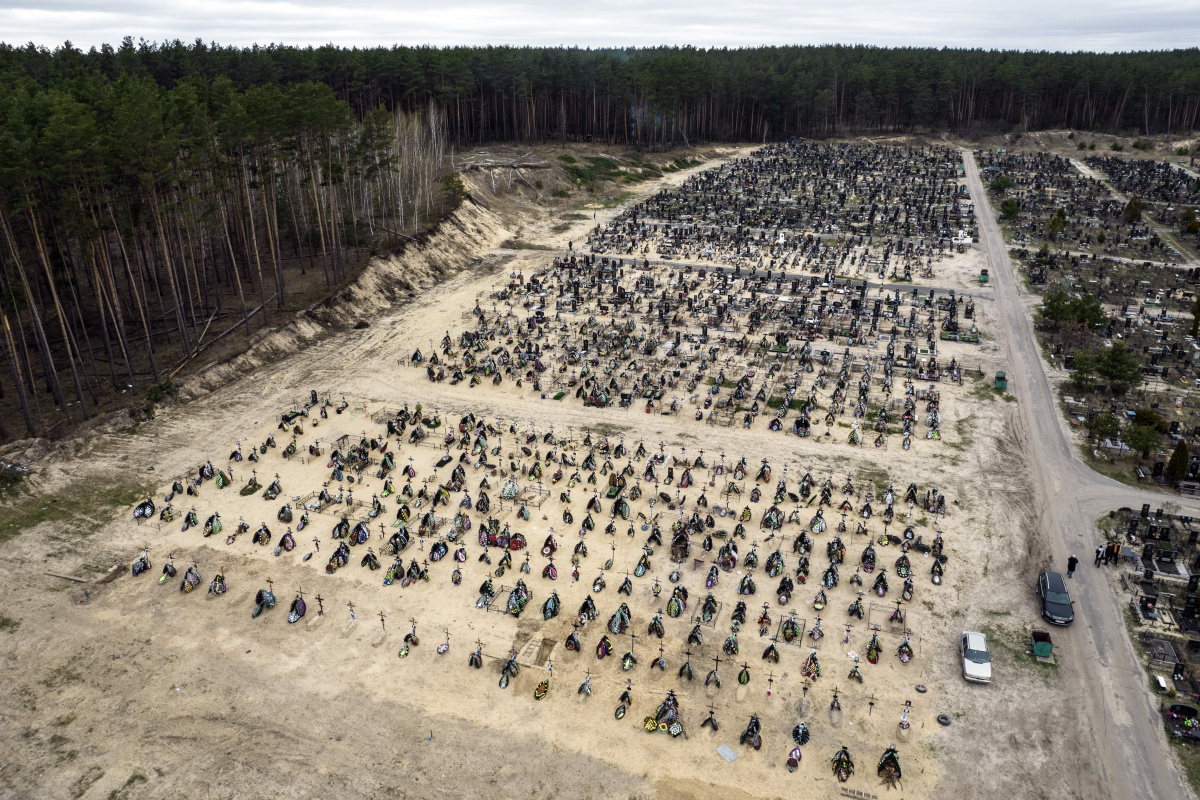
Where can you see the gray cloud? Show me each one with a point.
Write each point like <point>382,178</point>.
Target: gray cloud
<point>1017,24</point>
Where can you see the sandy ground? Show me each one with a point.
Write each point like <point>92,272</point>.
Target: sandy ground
<point>138,690</point>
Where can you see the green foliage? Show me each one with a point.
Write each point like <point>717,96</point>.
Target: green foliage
<point>1001,184</point>
<point>1102,426</point>
<point>1119,367</point>
<point>1133,209</point>
<point>455,190</point>
<point>1178,465</point>
<point>156,394</point>
<point>82,510</point>
<point>1086,310</point>
<point>1056,224</point>
<point>160,391</point>
<point>1009,209</point>
<point>892,89</point>
<point>1142,439</point>
<point>1116,147</point>
<point>560,193</point>
<point>1149,417</point>
<point>1188,223</point>
<point>598,169</point>
<point>1181,151</point>
<point>1139,144</point>
<point>567,158</point>
<point>1083,377</point>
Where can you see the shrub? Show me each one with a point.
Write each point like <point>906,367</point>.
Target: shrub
<point>455,191</point>
<point>1178,465</point>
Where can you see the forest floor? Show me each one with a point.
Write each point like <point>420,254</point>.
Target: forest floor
<point>129,689</point>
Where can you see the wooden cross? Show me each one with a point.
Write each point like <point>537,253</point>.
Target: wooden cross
<point>382,623</point>
<point>270,586</point>
<point>350,603</point>
<point>770,682</point>
<point>320,605</point>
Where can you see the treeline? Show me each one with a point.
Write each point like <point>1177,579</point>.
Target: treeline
<point>671,95</point>
<point>140,222</point>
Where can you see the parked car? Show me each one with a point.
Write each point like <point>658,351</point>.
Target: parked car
<point>1056,600</point>
<point>976,658</point>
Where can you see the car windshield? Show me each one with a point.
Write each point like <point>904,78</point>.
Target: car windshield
<point>977,656</point>
<point>1059,598</point>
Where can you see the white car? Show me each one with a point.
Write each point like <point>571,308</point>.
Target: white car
<point>976,658</point>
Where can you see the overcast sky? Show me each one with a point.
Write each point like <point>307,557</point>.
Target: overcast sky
<point>1102,25</point>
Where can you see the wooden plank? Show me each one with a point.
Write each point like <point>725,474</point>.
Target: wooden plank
<point>66,577</point>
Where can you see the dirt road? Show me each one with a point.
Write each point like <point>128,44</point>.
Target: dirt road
<point>1121,715</point>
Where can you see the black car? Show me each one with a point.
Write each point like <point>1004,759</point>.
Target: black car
<point>1056,601</point>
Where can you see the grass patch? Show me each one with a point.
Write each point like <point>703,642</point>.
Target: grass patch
<point>1120,469</point>
<point>560,193</point>
<point>61,676</point>
<point>123,792</point>
<point>597,170</point>
<point>157,393</point>
<point>89,777</point>
<point>518,244</point>
<point>1010,651</point>
<point>1189,758</point>
<point>962,433</point>
<point>610,202</point>
<point>80,510</point>
<point>9,624</point>
<point>11,478</point>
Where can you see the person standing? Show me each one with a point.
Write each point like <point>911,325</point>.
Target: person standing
<point>1099,554</point>
<point>1072,563</point>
